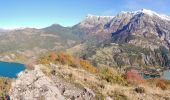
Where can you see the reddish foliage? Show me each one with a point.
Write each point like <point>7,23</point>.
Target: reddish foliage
<point>62,58</point>
<point>161,84</point>
<point>30,66</point>
<point>53,56</point>
<point>133,75</point>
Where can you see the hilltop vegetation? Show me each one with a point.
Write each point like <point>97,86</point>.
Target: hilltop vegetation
<point>100,82</point>
<point>83,74</point>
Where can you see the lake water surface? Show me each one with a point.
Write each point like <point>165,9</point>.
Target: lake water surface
<point>166,75</point>
<point>10,70</point>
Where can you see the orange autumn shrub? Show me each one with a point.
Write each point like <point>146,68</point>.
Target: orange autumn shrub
<point>132,75</point>
<point>71,61</point>
<point>64,58</point>
<point>53,56</point>
<point>61,58</point>
<point>161,84</point>
<point>87,66</point>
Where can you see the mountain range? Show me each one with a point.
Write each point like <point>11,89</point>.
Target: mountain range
<point>139,38</point>
<point>121,57</point>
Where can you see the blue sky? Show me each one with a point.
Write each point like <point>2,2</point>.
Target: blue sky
<point>42,13</point>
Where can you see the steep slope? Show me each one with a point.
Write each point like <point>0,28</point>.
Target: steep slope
<point>146,28</point>
<point>92,26</point>
<point>139,38</point>
<point>145,25</point>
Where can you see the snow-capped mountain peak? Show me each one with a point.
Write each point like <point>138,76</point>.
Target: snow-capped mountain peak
<point>153,13</point>
<point>93,20</point>
<point>148,12</point>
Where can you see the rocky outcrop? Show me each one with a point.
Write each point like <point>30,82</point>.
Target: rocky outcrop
<point>35,85</point>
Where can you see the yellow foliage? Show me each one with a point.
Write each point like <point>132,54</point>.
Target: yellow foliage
<point>44,60</point>
<point>87,66</point>
<point>67,59</point>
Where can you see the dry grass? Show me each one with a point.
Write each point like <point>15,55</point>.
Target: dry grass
<point>104,81</point>
<point>5,84</point>
<point>102,88</point>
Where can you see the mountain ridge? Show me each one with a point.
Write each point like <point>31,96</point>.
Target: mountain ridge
<point>146,11</point>
<point>143,31</point>
<point>100,58</point>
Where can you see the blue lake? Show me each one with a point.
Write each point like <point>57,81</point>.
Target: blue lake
<point>10,70</point>
<point>166,75</point>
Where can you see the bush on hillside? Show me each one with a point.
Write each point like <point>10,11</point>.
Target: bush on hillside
<point>111,76</point>
<point>59,57</point>
<point>44,60</point>
<point>53,56</point>
<point>133,75</point>
<point>140,90</point>
<point>161,84</point>
<point>87,66</point>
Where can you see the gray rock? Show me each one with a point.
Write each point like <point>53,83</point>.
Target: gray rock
<point>34,84</point>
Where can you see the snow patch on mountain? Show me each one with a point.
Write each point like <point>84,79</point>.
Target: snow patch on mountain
<point>92,21</point>
<point>152,13</point>
<point>148,12</point>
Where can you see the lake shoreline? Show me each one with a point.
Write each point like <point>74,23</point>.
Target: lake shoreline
<point>11,69</point>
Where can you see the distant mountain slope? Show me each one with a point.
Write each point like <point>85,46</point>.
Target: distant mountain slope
<point>147,28</point>
<point>92,26</point>
<point>141,37</point>
<point>144,24</point>
<point>53,37</point>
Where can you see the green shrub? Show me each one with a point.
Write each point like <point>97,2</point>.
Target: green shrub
<point>108,74</point>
